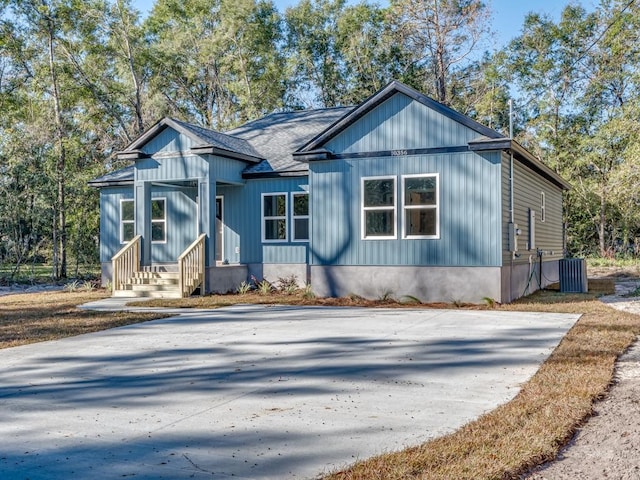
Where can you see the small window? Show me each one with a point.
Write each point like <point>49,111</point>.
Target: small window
<point>127,220</point>
<point>379,208</point>
<point>542,207</point>
<point>420,205</point>
<point>274,217</point>
<point>300,216</point>
<point>158,220</point>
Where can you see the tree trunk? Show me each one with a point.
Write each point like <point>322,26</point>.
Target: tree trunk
<point>60,257</point>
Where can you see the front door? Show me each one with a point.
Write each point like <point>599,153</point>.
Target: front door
<point>219,229</point>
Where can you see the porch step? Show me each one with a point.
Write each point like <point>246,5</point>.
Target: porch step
<point>151,284</point>
<point>146,290</point>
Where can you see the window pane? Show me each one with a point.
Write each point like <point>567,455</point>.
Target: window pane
<point>157,210</point>
<point>127,210</point>
<point>420,191</point>
<point>421,221</point>
<point>378,193</point>
<point>157,232</point>
<point>301,227</point>
<point>301,204</point>
<point>275,229</point>
<point>379,223</point>
<point>127,231</point>
<point>275,205</point>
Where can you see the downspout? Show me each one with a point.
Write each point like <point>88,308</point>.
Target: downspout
<point>511,206</point>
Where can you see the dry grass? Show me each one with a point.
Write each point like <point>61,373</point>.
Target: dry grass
<point>38,317</point>
<point>529,430</point>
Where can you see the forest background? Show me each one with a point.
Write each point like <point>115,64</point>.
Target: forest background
<point>80,79</point>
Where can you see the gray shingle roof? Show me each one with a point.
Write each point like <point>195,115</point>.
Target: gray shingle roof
<point>122,176</point>
<point>276,136</point>
<point>273,138</point>
<point>219,140</point>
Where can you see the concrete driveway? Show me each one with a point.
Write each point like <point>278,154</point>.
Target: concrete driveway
<point>258,392</point>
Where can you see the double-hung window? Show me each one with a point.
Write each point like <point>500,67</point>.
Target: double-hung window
<point>274,217</point>
<point>127,220</point>
<point>378,207</point>
<point>420,206</point>
<point>300,216</point>
<point>158,220</point>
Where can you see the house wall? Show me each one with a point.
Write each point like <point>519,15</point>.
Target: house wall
<point>469,209</point>
<point>110,220</point>
<point>243,229</point>
<point>522,270</point>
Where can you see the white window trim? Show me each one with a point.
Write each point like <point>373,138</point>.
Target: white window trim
<point>394,208</point>
<point>543,207</point>
<point>278,217</point>
<point>122,222</point>
<point>295,217</point>
<point>419,207</point>
<point>164,220</point>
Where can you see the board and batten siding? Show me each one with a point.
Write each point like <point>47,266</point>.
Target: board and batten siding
<point>401,123</point>
<point>110,198</point>
<point>469,211</point>
<point>168,141</point>
<point>181,222</point>
<point>527,189</point>
<point>243,222</point>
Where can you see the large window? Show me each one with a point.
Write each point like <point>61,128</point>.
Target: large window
<point>274,217</point>
<point>158,220</point>
<point>379,207</point>
<point>127,220</point>
<point>420,205</point>
<point>300,217</point>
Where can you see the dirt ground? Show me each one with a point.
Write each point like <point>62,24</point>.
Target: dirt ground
<point>608,445</point>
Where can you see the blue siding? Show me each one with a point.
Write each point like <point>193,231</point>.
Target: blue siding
<point>181,221</point>
<point>469,212</point>
<point>110,220</point>
<point>172,168</point>
<point>168,141</point>
<point>243,221</point>
<point>401,123</point>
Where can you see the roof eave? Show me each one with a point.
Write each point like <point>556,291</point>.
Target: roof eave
<point>526,157</point>
<point>211,150</point>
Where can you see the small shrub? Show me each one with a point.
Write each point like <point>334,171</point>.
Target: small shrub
<point>87,286</point>
<point>264,286</point>
<point>288,285</point>
<point>243,288</point>
<point>307,292</point>
<point>72,286</point>
<point>410,299</point>
<point>355,297</point>
<point>491,303</point>
<point>457,303</point>
<point>386,296</point>
<point>108,286</point>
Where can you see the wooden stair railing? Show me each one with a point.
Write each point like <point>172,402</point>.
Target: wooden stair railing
<point>191,268</point>
<point>125,263</point>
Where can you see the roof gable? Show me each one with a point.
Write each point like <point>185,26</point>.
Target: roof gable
<point>375,103</point>
<point>169,134</point>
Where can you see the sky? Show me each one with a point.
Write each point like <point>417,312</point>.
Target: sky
<point>508,15</point>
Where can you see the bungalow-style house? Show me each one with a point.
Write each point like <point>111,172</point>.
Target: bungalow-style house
<point>399,195</point>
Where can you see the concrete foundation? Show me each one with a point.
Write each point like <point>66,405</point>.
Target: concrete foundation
<point>429,284</point>
<point>274,271</point>
<point>225,278</point>
<point>523,279</point>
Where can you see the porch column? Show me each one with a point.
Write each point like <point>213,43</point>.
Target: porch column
<point>207,221</point>
<point>142,203</point>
